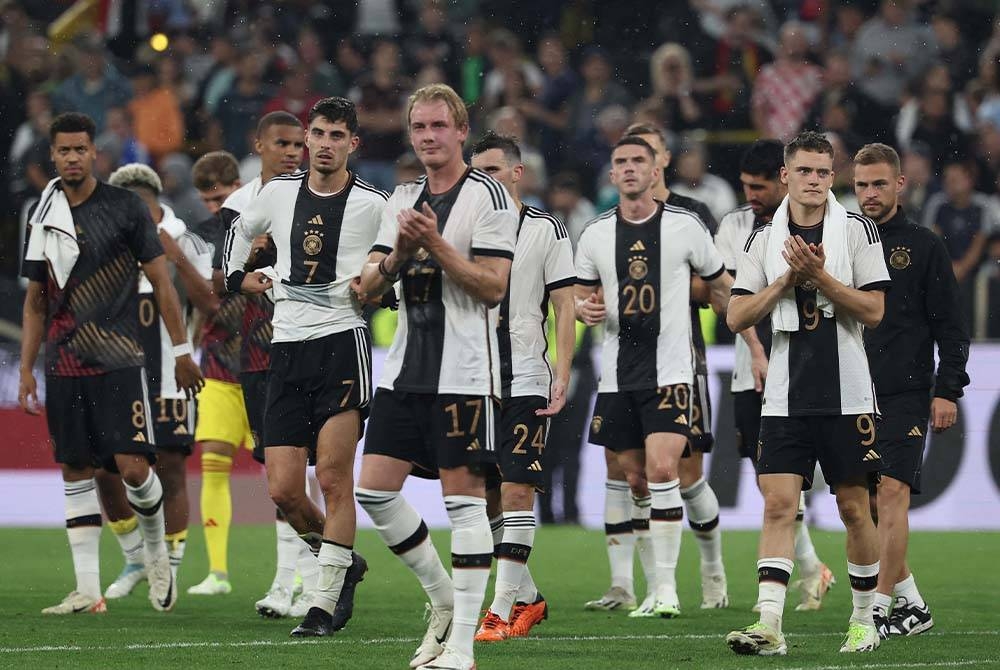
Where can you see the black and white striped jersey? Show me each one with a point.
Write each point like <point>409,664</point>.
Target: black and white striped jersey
<point>322,242</point>
<point>645,269</point>
<point>543,262</point>
<point>820,369</point>
<point>153,335</point>
<point>446,340</point>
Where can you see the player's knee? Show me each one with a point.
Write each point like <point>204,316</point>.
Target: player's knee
<point>637,483</point>
<point>892,494</point>
<point>854,511</point>
<point>518,498</point>
<point>284,495</point>
<point>134,471</point>
<point>335,482</point>
<point>780,507</point>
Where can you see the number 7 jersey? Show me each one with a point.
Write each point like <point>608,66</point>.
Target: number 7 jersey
<point>645,271</point>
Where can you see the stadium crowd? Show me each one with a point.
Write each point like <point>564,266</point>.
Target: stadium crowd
<point>921,75</point>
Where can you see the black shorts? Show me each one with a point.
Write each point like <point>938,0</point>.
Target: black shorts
<point>173,424</point>
<point>91,419</point>
<point>901,434</point>
<point>845,447</point>
<point>701,438</point>
<point>311,381</point>
<point>434,432</point>
<point>523,434</point>
<point>746,408</point>
<point>254,385</point>
<point>622,420</point>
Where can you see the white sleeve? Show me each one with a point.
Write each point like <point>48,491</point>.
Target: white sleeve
<point>559,270</point>
<point>750,277</point>
<point>867,256</point>
<point>704,258</point>
<point>388,227</point>
<point>726,243</point>
<point>254,220</point>
<point>197,252</point>
<point>495,233</point>
<point>587,272</point>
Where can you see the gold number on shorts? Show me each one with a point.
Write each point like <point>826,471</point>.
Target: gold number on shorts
<point>639,300</point>
<point>665,403</point>
<point>521,433</point>
<point>178,410</point>
<point>312,265</point>
<point>680,395</point>
<point>866,427</point>
<point>138,414</point>
<point>695,414</point>
<point>810,315</point>
<point>147,312</point>
<point>349,383</point>
<point>452,409</point>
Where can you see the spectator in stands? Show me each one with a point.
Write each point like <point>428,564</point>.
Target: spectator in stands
<point>988,153</point>
<point>598,92</point>
<point>785,90</point>
<point>918,166</point>
<point>325,79</point>
<point>844,108</point>
<point>431,43</point>
<point>567,203</point>
<point>295,97</point>
<point>694,181</point>
<point>728,71</point>
<point>933,120</point>
<point>220,76</point>
<point>96,85</point>
<point>848,19</point>
<point>118,132</point>
<point>954,50</point>
<point>380,97</point>
<point>673,104</point>
<point>548,113</point>
<point>156,114</point>
<point>509,122</point>
<point>473,66</point>
<point>509,67</point>
<point>351,61</point>
<point>241,106</point>
<point>30,139</point>
<point>178,189</point>
<point>891,49</point>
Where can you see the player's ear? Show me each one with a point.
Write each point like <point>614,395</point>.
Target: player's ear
<point>900,183</point>
<point>355,141</point>
<point>518,172</point>
<point>783,175</point>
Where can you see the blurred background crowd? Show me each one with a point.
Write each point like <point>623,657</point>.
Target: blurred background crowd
<point>168,80</point>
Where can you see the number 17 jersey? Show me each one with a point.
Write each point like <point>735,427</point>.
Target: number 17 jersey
<point>645,271</point>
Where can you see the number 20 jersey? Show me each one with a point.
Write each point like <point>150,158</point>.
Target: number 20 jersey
<point>645,270</point>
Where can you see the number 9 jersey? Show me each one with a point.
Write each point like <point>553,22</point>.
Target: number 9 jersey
<point>645,269</point>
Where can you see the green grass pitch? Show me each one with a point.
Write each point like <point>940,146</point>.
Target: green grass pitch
<point>957,573</point>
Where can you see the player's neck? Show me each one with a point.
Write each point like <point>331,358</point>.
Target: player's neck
<point>442,179</point>
<point>157,214</point>
<point>638,209</point>
<point>267,175</point>
<point>806,216</point>
<point>890,215</point>
<point>328,184</point>
<point>78,193</point>
<point>516,197</point>
<point>661,192</point>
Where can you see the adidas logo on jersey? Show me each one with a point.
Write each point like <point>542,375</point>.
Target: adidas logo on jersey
<point>180,430</point>
<point>871,456</point>
<point>139,437</point>
<point>638,246</point>
<point>916,432</point>
<point>473,446</point>
<point>535,466</point>
<point>316,221</point>
<point>681,420</point>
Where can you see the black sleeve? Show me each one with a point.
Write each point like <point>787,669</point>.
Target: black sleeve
<point>226,218</point>
<point>142,237</point>
<point>947,323</point>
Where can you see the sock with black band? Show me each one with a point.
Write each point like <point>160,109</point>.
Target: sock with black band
<point>83,528</point>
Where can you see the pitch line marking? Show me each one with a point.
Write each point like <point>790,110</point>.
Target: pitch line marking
<point>887,666</point>
<point>153,646</point>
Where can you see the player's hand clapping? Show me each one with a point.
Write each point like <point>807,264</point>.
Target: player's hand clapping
<point>592,310</point>
<point>419,227</point>
<point>805,260</point>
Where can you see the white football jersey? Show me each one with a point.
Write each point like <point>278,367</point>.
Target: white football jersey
<point>322,242</point>
<point>734,229</point>
<point>645,269</point>
<point>446,340</point>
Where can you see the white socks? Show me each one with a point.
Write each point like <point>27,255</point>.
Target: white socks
<point>471,557</point>
<point>908,589</point>
<point>772,585</point>
<point>665,531</point>
<point>864,578</point>
<point>512,559</point>
<point>289,544</point>
<point>334,560</point>
<point>703,516</point>
<point>405,533</point>
<point>147,500</point>
<point>805,553</point>
<point>641,508</point>
<point>83,527</point>
<point>618,532</point>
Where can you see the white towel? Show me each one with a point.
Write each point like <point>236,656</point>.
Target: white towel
<point>785,316</point>
<point>173,227</point>
<point>53,235</point>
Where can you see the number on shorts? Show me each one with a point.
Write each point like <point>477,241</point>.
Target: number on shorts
<point>138,414</point>
<point>349,383</point>
<point>867,428</point>
<point>178,410</point>
<point>521,432</point>
<point>680,397</point>
<point>453,409</point>
<point>147,312</point>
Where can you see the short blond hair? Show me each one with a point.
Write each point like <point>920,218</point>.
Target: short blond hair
<point>135,175</point>
<point>872,154</point>
<point>447,95</point>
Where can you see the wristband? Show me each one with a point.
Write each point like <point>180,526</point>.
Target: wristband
<point>385,273</point>
<point>183,350</point>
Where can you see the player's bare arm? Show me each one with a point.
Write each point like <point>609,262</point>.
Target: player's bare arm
<point>484,277</point>
<point>746,311</point>
<point>186,371</point>
<point>33,327</point>
<point>200,291</point>
<point>758,358</point>
<point>381,270</point>
<point>868,307</point>
<point>718,292</point>
<point>564,303</point>
<point>590,307</point>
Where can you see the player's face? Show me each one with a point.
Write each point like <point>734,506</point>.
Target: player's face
<point>494,163</point>
<point>633,170</point>
<point>281,148</point>
<point>809,176</point>
<point>877,187</point>
<point>215,196</point>
<point>329,143</point>
<point>435,138</point>
<point>74,155</point>
<point>660,149</point>
<point>763,195</point>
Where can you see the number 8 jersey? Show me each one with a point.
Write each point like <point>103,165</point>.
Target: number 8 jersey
<point>645,270</point>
